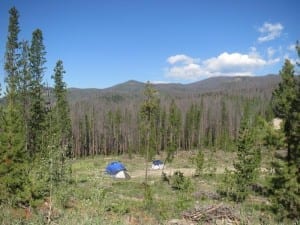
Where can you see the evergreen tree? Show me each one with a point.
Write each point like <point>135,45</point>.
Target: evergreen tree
<point>24,88</point>
<point>39,130</point>
<point>286,182</point>
<point>192,127</point>
<point>12,56</point>
<point>283,100</point>
<point>164,132</point>
<point>173,130</point>
<point>188,127</point>
<point>198,160</point>
<point>224,138</point>
<point>248,158</point>
<point>62,110</point>
<point>60,125</point>
<point>14,165</point>
<point>14,182</point>
<point>148,112</point>
<point>37,110</point>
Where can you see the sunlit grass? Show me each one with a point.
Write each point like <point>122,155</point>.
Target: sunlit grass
<point>93,197</point>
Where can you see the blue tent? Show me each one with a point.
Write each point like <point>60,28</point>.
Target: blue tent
<point>114,167</point>
<point>157,162</point>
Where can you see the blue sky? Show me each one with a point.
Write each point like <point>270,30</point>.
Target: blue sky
<point>103,43</point>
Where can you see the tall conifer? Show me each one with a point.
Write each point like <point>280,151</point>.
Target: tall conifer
<point>148,112</point>
<point>24,88</point>
<point>286,182</point>
<point>37,110</point>
<point>174,129</point>
<point>60,121</point>
<point>13,156</point>
<point>248,158</point>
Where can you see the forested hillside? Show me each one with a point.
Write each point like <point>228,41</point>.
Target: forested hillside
<point>106,121</point>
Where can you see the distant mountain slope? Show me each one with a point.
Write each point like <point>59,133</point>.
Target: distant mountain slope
<point>126,87</point>
<point>217,84</point>
<point>134,89</point>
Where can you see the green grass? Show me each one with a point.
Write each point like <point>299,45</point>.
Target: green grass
<point>95,198</point>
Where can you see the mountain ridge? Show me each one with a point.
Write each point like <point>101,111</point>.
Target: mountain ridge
<point>210,80</point>
<point>134,89</point>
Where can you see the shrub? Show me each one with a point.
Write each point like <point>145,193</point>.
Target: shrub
<point>199,162</point>
<point>180,182</point>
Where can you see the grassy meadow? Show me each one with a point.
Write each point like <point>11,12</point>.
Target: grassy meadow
<point>93,197</point>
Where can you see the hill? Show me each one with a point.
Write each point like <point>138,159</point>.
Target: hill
<point>228,85</point>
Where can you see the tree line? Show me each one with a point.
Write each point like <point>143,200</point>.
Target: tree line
<point>210,120</point>
<point>35,131</point>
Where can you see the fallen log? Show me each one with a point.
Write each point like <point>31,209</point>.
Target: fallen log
<point>212,213</point>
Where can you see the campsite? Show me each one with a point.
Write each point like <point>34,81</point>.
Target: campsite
<point>94,197</point>
<point>120,201</point>
<point>149,112</point>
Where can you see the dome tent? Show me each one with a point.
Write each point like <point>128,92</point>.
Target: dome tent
<point>117,170</point>
<point>122,175</point>
<point>157,164</point>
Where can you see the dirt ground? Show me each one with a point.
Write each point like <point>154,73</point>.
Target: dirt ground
<point>156,173</point>
<point>189,172</point>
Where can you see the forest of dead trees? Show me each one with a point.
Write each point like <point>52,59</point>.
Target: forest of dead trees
<point>107,121</point>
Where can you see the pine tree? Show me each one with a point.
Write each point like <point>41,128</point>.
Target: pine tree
<point>14,182</point>
<point>295,132</point>
<point>248,158</point>
<point>192,127</point>
<point>14,166</point>
<point>38,127</point>
<point>60,125</point>
<point>286,182</point>
<point>12,56</point>
<point>283,99</point>
<point>24,88</point>
<point>164,133</point>
<point>148,112</point>
<point>37,110</point>
<point>62,110</point>
<point>174,130</point>
<point>188,128</point>
<point>224,138</point>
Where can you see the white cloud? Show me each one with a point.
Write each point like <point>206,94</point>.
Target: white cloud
<point>187,72</point>
<point>269,31</point>
<point>181,59</point>
<point>225,64</point>
<point>234,62</point>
